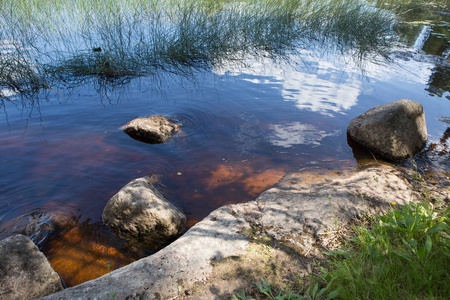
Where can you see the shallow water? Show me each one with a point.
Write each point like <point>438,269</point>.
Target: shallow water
<point>244,125</point>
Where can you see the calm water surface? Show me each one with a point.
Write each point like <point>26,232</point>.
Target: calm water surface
<point>244,126</point>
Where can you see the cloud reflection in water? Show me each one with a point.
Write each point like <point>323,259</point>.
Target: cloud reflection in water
<point>317,85</point>
<point>296,133</point>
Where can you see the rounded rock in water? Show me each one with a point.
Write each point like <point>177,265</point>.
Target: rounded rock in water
<point>139,212</point>
<point>395,130</point>
<point>153,129</point>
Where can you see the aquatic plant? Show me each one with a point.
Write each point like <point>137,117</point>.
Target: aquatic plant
<point>115,38</point>
<point>16,70</point>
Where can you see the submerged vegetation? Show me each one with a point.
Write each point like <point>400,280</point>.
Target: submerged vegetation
<point>47,40</point>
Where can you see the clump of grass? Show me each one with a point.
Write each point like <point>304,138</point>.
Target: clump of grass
<point>309,292</point>
<point>404,254</point>
<point>18,74</point>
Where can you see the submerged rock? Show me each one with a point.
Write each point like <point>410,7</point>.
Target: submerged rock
<point>153,129</point>
<point>395,130</point>
<point>25,273</point>
<point>139,212</point>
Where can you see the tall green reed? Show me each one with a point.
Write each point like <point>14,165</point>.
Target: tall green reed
<point>114,38</point>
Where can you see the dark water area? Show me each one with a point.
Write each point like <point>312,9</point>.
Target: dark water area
<point>244,126</point>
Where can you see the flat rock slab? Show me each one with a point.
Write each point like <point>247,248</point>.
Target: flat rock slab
<point>153,129</point>
<point>396,130</point>
<point>25,273</point>
<point>295,213</point>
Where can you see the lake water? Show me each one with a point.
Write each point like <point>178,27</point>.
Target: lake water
<point>244,125</point>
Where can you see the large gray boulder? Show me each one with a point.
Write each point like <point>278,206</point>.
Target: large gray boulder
<point>395,130</point>
<point>153,129</point>
<point>139,212</point>
<point>25,273</point>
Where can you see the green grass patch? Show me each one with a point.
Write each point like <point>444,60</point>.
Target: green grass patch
<point>404,254</point>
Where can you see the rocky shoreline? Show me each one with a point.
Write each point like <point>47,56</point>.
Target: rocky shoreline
<point>289,225</point>
<point>298,218</point>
